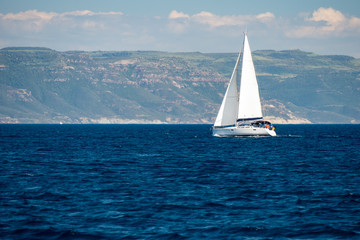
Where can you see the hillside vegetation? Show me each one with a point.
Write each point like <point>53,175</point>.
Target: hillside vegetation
<point>40,85</point>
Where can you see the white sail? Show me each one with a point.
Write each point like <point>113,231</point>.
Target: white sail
<point>228,111</point>
<point>249,100</point>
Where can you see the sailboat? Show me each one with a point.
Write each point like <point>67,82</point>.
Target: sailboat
<point>240,112</point>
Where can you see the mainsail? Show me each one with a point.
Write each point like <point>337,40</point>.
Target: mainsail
<point>249,99</point>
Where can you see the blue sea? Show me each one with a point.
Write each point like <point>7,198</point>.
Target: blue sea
<point>178,182</point>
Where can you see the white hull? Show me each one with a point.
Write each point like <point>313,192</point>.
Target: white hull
<point>242,131</point>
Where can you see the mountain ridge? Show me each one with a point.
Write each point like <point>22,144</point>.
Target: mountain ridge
<point>41,85</point>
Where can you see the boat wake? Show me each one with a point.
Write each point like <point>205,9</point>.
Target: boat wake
<point>289,136</point>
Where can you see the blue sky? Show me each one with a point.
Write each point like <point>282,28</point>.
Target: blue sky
<point>324,27</point>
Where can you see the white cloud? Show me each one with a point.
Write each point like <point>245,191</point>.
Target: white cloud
<point>175,15</point>
<point>326,22</point>
<point>331,16</point>
<point>213,20</point>
<point>90,13</point>
<point>354,23</point>
<point>29,15</point>
<point>265,17</point>
<point>180,22</point>
<point>33,20</point>
<point>46,16</point>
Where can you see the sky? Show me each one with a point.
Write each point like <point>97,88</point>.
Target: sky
<point>330,27</point>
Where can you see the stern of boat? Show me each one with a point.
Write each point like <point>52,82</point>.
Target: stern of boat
<point>271,132</point>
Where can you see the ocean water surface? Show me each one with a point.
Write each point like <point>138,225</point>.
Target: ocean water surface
<point>178,182</point>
